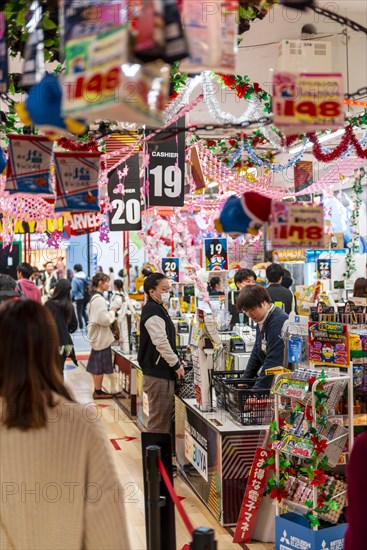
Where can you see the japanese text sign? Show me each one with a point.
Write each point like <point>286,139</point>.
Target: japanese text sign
<point>299,224</point>
<point>328,343</point>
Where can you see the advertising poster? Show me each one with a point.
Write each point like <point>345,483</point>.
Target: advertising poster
<point>29,165</point>
<point>216,254</point>
<point>307,102</point>
<point>171,268</point>
<point>77,182</point>
<point>300,225</point>
<point>328,343</point>
<point>324,269</point>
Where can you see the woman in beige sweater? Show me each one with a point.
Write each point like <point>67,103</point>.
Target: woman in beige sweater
<point>60,490</point>
<point>100,334</point>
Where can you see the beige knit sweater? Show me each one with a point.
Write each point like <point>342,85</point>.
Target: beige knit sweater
<point>100,319</point>
<point>59,486</point>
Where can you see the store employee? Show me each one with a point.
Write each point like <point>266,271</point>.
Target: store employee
<point>268,351</point>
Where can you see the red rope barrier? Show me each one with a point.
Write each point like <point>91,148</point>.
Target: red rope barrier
<point>185,518</point>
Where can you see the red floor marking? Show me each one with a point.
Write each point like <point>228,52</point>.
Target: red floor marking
<point>116,439</point>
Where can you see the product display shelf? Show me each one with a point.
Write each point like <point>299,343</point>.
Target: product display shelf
<point>311,400</point>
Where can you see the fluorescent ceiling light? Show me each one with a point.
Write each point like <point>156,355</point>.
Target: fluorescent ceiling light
<point>309,145</point>
<point>212,184</point>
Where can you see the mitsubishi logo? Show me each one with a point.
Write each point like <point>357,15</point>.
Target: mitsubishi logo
<point>284,537</point>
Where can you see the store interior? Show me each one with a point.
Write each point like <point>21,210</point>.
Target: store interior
<point>232,136</point>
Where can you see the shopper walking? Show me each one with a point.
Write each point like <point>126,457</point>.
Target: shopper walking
<point>56,467</point>
<point>268,350</point>
<point>79,288</point>
<point>157,355</point>
<point>100,335</point>
<point>27,287</point>
<point>8,289</point>
<point>277,292</point>
<point>63,312</point>
<point>355,538</point>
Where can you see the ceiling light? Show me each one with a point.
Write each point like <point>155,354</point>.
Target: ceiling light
<point>309,145</point>
<point>212,184</point>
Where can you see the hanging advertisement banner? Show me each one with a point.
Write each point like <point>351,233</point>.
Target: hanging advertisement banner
<point>216,254</point>
<point>166,171</point>
<point>252,498</point>
<point>126,202</point>
<point>301,225</point>
<point>29,165</point>
<point>77,182</point>
<point>328,343</point>
<point>305,102</point>
<point>171,268</point>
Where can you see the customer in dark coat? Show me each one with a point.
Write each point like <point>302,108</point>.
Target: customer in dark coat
<point>158,354</point>
<point>277,292</point>
<point>355,538</point>
<point>268,351</point>
<point>62,309</point>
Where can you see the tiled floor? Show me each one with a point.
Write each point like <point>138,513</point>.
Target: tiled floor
<point>128,462</point>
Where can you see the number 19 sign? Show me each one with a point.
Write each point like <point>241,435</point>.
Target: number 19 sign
<point>171,268</point>
<point>166,171</point>
<point>216,256</point>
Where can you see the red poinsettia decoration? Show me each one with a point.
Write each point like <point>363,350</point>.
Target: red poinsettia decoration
<point>228,80</point>
<point>319,445</point>
<point>173,95</point>
<point>257,88</point>
<point>232,142</point>
<point>320,501</point>
<point>277,493</point>
<point>241,90</point>
<point>210,142</point>
<point>319,478</point>
<point>308,413</point>
<point>311,382</point>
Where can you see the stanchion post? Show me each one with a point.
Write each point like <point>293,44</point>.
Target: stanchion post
<point>203,539</point>
<point>154,500</point>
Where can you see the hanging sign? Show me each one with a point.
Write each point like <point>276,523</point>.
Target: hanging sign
<point>328,343</point>
<point>299,224</point>
<point>324,268</point>
<point>171,268</point>
<point>307,102</point>
<point>216,254</point>
<point>77,182</point>
<point>252,498</point>
<point>3,55</point>
<point>166,172</point>
<point>29,165</point>
<point>126,212</point>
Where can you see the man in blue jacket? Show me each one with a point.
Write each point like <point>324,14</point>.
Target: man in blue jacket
<point>268,351</point>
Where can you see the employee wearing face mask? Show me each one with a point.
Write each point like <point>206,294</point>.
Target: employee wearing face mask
<point>157,355</point>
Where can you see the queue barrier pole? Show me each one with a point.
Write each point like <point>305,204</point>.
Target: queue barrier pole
<point>154,500</point>
<point>203,539</point>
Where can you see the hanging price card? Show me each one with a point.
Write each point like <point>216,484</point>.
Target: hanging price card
<point>171,268</point>
<point>216,254</point>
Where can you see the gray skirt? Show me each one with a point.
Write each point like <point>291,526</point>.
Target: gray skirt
<point>100,362</point>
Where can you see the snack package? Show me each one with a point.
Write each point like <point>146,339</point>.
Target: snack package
<point>211,32</point>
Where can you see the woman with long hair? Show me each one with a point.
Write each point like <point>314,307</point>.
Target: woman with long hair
<point>360,288</point>
<point>56,468</point>
<point>100,334</point>
<point>63,311</point>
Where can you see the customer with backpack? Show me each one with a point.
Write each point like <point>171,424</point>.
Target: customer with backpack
<point>80,294</point>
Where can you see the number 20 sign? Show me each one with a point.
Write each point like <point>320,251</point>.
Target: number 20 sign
<point>166,171</point>
<point>171,268</point>
<point>126,209</point>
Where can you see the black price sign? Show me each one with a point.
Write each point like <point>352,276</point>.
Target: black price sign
<point>171,268</point>
<point>166,172</point>
<point>126,213</point>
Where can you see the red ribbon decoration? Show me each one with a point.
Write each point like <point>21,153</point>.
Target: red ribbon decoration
<point>185,518</point>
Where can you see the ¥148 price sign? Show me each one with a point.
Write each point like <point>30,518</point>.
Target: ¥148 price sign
<point>171,268</point>
<point>126,213</point>
<point>166,172</point>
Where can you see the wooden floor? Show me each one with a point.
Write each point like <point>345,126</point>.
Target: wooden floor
<point>128,462</point>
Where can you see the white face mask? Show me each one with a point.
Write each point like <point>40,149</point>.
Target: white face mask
<point>165,297</point>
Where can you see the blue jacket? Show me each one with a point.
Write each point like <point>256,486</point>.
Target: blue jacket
<point>268,350</point>
<point>77,285</point>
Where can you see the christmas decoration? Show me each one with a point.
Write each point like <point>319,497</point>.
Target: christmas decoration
<point>244,215</point>
<point>353,246</point>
